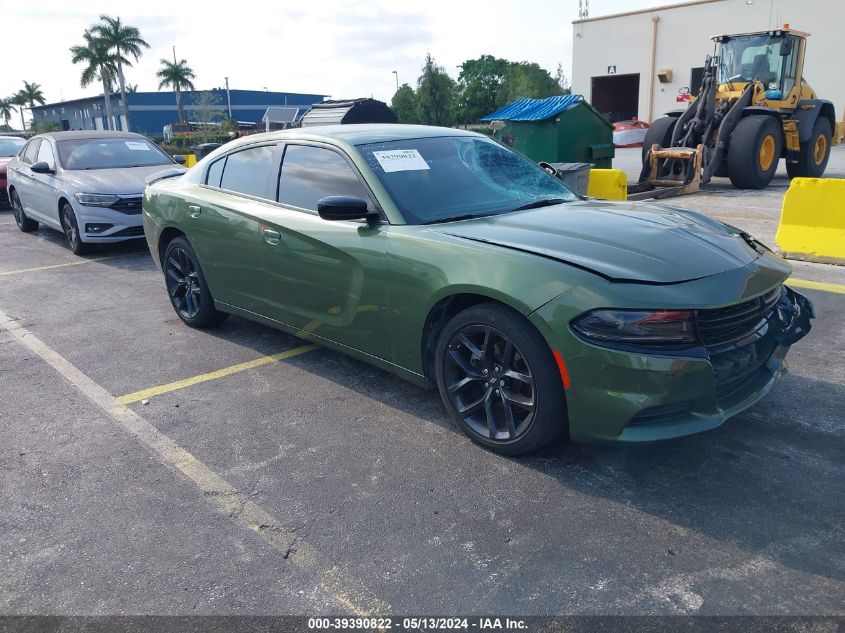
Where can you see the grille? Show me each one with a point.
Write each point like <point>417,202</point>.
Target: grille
<point>721,327</point>
<point>129,206</point>
<point>662,413</point>
<point>727,389</point>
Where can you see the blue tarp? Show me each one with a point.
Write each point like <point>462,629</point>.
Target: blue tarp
<point>534,109</point>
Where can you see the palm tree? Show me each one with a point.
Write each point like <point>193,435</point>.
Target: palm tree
<point>19,99</point>
<point>32,93</point>
<point>6,107</point>
<point>122,41</point>
<point>100,65</point>
<point>177,75</point>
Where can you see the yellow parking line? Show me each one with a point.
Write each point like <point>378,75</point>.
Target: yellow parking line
<point>239,506</point>
<point>816,285</point>
<point>214,375</point>
<point>4,273</point>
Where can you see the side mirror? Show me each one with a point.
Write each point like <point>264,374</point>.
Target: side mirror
<point>786,47</point>
<point>342,208</point>
<point>179,159</point>
<point>41,168</point>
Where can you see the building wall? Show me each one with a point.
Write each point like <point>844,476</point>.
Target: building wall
<point>683,41</point>
<point>149,112</point>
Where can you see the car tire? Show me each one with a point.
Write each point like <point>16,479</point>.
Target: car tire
<point>814,154</point>
<point>754,151</point>
<point>186,286</point>
<point>499,380</point>
<point>72,233</point>
<point>24,223</point>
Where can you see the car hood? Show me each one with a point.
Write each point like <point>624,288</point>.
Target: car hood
<point>635,242</point>
<point>4,160</point>
<point>130,180</point>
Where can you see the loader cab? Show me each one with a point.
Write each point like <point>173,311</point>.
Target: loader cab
<point>774,58</point>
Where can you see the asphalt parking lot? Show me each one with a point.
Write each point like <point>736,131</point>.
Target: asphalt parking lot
<point>148,468</point>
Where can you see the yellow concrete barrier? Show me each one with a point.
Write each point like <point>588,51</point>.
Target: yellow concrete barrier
<point>608,184</point>
<point>190,159</point>
<point>812,220</point>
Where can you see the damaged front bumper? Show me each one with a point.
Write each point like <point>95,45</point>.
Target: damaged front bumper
<point>643,398</point>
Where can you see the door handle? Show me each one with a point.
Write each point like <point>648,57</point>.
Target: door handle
<point>272,237</point>
<point>194,210</point>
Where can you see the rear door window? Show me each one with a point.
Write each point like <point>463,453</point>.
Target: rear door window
<point>310,173</point>
<point>30,154</point>
<point>249,171</point>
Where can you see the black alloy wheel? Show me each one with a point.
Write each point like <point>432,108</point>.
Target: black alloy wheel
<point>499,380</point>
<point>186,286</point>
<point>490,384</point>
<point>24,223</point>
<point>183,284</point>
<point>71,227</point>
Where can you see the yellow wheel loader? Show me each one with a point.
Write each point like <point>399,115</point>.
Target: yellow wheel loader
<point>753,108</point>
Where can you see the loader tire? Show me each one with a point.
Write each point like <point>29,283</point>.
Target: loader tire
<point>754,152</point>
<point>659,132</point>
<point>814,154</point>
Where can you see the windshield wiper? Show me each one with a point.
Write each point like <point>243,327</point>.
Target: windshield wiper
<point>455,218</point>
<point>545,202</point>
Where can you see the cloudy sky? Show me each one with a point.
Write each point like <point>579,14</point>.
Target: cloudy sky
<point>339,48</point>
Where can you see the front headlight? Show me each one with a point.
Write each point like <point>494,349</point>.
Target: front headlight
<point>96,199</point>
<point>647,330</point>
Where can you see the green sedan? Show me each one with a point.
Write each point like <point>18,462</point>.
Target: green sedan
<point>456,263</point>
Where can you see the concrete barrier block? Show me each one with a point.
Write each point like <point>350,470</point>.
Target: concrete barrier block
<point>608,184</point>
<point>812,220</point>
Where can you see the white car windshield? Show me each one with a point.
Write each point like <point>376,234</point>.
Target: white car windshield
<point>455,177</point>
<point>110,153</point>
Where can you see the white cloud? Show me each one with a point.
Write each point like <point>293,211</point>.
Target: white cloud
<point>340,48</point>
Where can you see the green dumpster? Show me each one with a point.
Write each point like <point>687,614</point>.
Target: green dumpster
<point>564,129</point>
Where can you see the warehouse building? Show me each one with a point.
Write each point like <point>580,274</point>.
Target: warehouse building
<point>644,63</point>
<point>149,112</point>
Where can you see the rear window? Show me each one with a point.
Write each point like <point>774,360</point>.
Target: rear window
<point>110,153</point>
<point>11,146</point>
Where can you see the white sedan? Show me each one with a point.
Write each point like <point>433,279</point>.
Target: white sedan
<point>86,184</point>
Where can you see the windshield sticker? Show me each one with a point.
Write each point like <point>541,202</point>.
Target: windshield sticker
<point>137,146</point>
<point>401,160</point>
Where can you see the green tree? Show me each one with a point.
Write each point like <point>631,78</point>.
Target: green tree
<point>29,95</point>
<point>562,81</point>
<point>32,93</point>
<point>435,95</point>
<point>527,79</point>
<point>99,65</point>
<point>7,105</point>
<point>207,113</point>
<point>480,87</point>
<point>19,99</point>
<point>178,76</point>
<point>40,127</point>
<point>122,41</point>
<point>404,104</point>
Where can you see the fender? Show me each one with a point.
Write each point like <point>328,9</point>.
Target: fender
<point>808,111</point>
<point>749,110</point>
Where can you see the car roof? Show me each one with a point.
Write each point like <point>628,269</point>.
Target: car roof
<point>82,134</point>
<point>11,138</point>
<point>361,133</point>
